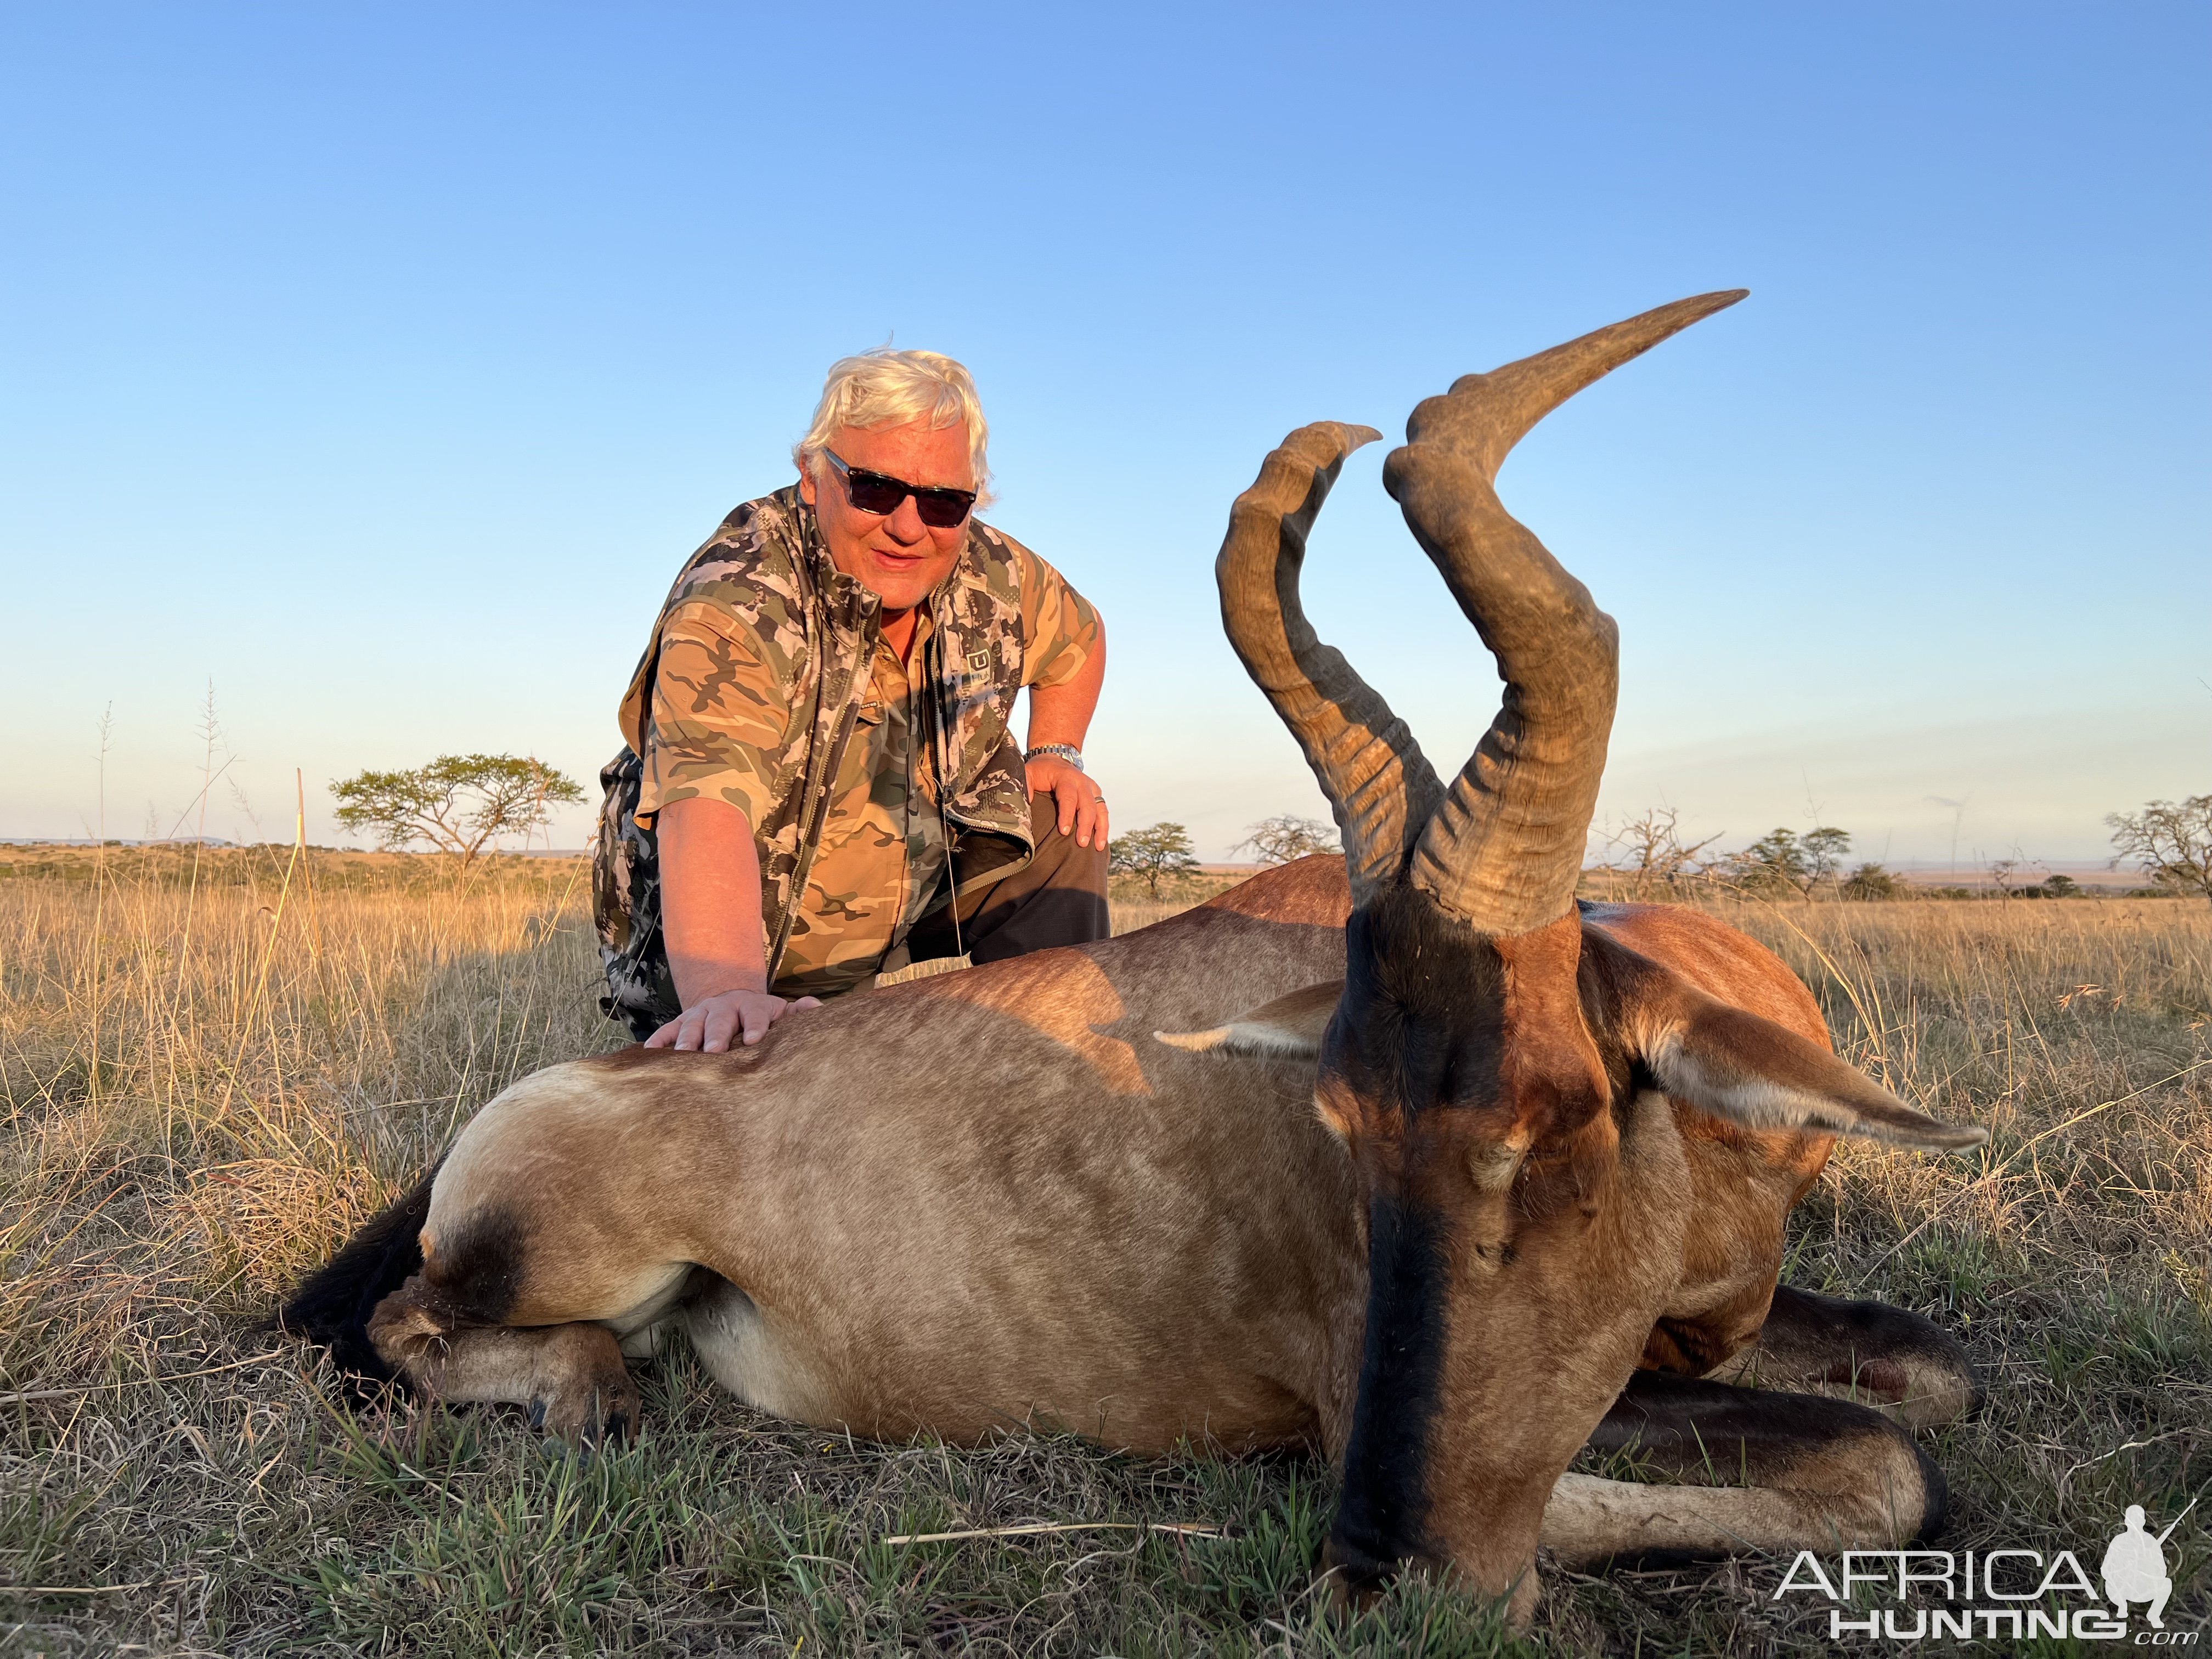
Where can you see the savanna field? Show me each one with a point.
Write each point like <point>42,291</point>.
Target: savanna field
<point>214,1071</point>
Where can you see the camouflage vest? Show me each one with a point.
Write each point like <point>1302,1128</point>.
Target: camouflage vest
<point>769,566</point>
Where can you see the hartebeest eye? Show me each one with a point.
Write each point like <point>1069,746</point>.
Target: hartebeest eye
<point>1493,1164</point>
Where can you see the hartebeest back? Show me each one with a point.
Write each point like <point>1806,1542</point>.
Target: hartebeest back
<point>1432,1172</point>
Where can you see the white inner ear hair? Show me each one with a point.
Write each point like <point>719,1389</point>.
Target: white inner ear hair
<point>1244,1037</point>
<point>1746,1097</point>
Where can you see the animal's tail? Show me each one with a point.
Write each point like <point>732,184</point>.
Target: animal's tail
<point>333,1303</point>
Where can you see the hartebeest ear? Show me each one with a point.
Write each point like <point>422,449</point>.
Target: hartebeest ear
<point>1286,1028</point>
<point>1753,1072</point>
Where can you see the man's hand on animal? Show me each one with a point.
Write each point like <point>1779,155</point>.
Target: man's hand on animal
<point>709,1025</point>
<point>713,940</point>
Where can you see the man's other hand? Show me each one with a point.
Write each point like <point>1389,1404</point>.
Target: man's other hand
<point>1082,804</point>
<point>707,1026</point>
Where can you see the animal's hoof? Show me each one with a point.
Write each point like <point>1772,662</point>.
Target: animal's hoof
<point>615,1422</point>
<point>1346,1599</point>
<point>583,1391</point>
<point>590,1415</point>
<point>1352,1581</point>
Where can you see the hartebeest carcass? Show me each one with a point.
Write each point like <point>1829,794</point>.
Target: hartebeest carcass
<point>1447,1191</point>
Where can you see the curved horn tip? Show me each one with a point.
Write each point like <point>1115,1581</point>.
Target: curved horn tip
<point>1320,447</point>
<point>1673,317</point>
<point>1702,305</point>
<point>1342,436</point>
<point>1486,414</point>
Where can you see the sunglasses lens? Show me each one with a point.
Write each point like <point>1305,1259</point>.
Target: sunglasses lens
<point>871,492</point>
<point>941,509</point>
<point>879,494</point>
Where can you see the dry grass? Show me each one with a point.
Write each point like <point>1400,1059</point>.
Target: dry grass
<point>1136,906</point>
<point>207,1085</point>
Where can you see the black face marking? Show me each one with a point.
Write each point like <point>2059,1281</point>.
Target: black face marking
<point>477,1270</point>
<point>1381,1517</point>
<point>1422,1020</point>
<point>1420,1026</point>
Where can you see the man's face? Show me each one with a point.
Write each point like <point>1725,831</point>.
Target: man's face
<point>896,556</point>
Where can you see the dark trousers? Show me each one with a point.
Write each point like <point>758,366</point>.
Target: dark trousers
<point>1058,897</point>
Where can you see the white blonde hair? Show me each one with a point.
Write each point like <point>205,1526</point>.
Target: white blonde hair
<point>885,387</point>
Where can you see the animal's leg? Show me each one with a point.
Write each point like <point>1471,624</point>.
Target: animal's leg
<point>745,1357</point>
<point>1868,1351</point>
<point>1771,1472</point>
<point>571,1377</point>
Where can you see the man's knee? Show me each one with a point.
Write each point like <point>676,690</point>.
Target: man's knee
<point>1058,897</point>
<point>1059,858</point>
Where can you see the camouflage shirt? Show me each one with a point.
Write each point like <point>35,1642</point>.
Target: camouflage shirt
<point>768,684</point>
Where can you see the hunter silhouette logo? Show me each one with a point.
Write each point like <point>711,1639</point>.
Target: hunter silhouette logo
<point>2019,1594</point>
<point>2135,1566</point>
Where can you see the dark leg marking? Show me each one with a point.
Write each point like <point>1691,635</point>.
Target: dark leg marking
<point>1867,1350</point>
<point>1855,1474</point>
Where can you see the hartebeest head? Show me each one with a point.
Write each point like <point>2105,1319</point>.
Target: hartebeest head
<point>1496,1073</point>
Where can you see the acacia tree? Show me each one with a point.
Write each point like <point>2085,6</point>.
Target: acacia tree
<point>2171,841</point>
<point>1782,858</point>
<point>1824,853</point>
<point>1287,837</point>
<point>458,804</point>
<point>1151,855</point>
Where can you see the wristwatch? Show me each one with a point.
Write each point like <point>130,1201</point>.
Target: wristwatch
<point>1067,751</point>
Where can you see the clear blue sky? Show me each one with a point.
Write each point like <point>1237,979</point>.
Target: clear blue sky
<point>381,364</point>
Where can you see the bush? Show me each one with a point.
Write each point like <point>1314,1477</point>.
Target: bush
<point>1872,881</point>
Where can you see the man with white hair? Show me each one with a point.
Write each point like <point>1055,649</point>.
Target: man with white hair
<point>820,778</point>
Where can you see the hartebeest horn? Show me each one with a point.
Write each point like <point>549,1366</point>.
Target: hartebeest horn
<point>1503,849</point>
<point>1379,785</point>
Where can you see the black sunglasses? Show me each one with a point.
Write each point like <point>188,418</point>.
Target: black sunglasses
<point>880,493</point>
